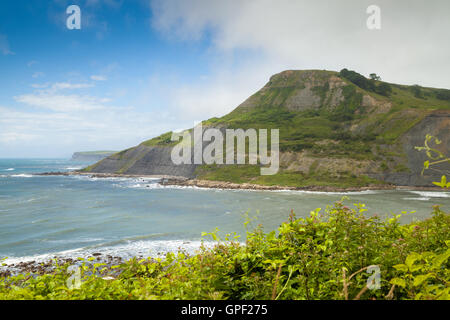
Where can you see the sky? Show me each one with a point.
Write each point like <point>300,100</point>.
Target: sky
<point>139,68</point>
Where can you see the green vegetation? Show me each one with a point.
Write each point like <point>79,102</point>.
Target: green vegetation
<point>162,140</point>
<point>326,114</point>
<point>435,157</point>
<point>374,76</point>
<point>251,174</point>
<point>302,129</point>
<point>442,94</point>
<point>333,254</point>
<point>382,88</point>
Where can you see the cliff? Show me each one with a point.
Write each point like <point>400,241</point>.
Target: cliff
<point>336,129</point>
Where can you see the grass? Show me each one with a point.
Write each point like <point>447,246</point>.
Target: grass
<point>162,140</point>
<point>251,174</point>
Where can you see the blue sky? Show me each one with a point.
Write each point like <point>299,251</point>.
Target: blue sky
<point>140,68</point>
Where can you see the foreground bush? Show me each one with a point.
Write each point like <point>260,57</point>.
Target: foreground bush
<point>332,255</point>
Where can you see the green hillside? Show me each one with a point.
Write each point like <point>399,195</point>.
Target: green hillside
<point>336,128</point>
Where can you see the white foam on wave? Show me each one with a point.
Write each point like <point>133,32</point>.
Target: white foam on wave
<point>432,194</point>
<point>153,183</point>
<point>328,192</point>
<point>73,168</point>
<point>22,175</point>
<point>119,179</point>
<point>154,248</point>
<point>40,257</point>
<point>67,241</point>
<point>10,169</point>
<point>419,199</point>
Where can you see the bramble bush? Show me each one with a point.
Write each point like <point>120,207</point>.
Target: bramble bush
<point>324,256</point>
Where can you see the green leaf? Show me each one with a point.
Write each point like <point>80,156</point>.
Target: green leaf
<point>443,183</point>
<point>440,259</point>
<point>411,258</point>
<point>401,267</point>
<point>398,282</point>
<point>418,280</point>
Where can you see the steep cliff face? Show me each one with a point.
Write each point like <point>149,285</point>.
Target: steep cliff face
<point>331,129</point>
<point>145,160</point>
<point>436,123</point>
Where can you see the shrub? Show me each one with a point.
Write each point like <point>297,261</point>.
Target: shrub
<point>367,84</point>
<point>443,94</point>
<point>323,256</point>
<point>384,89</point>
<point>417,91</point>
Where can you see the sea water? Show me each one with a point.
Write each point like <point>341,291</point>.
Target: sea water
<point>75,216</point>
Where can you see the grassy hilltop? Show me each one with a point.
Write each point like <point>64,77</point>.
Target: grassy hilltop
<point>336,129</point>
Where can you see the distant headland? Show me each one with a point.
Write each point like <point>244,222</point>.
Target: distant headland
<point>91,155</point>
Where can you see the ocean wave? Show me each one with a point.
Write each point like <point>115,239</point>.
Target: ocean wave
<point>153,183</point>
<point>154,248</point>
<point>119,179</point>
<point>22,175</point>
<point>326,192</point>
<point>35,199</point>
<point>128,240</point>
<point>156,185</point>
<point>419,199</point>
<point>40,221</point>
<point>174,187</point>
<point>10,169</point>
<point>68,241</point>
<point>42,257</point>
<point>432,194</point>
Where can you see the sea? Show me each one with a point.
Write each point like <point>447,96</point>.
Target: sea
<point>75,216</point>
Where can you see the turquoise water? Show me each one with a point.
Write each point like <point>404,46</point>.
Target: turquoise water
<point>43,216</point>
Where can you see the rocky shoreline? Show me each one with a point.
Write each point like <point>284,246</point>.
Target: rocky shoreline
<point>167,180</point>
<point>49,265</point>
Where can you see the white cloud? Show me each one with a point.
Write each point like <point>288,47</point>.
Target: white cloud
<point>98,78</point>
<point>218,94</point>
<point>62,103</point>
<point>40,85</point>
<point>252,40</point>
<point>49,97</point>
<point>16,137</point>
<point>66,85</point>
<point>54,121</point>
<point>4,45</point>
<point>38,74</point>
<point>59,131</point>
<point>59,86</point>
